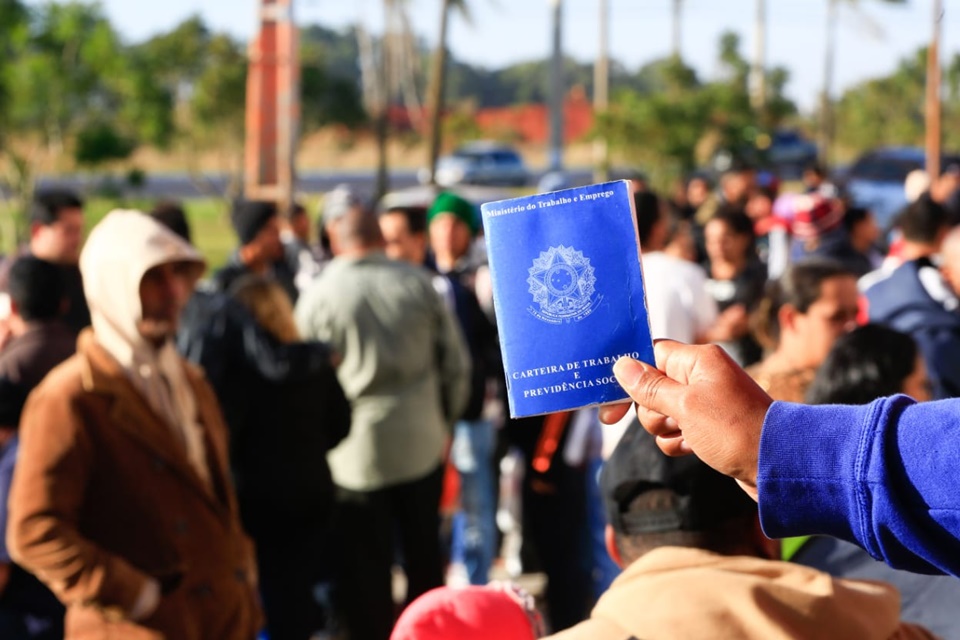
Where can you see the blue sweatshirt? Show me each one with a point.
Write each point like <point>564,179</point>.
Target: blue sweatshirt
<point>885,476</point>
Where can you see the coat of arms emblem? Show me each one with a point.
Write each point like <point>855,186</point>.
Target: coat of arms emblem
<point>562,283</point>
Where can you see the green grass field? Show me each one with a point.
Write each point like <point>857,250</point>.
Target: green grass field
<point>209,224</point>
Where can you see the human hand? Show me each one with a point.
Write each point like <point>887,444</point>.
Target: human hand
<point>699,402</point>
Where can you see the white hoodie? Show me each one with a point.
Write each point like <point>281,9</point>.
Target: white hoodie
<point>117,254</point>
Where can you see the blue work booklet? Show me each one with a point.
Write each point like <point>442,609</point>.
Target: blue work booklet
<point>569,296</point>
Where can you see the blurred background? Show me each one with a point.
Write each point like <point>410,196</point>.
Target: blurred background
<point>129,102</point>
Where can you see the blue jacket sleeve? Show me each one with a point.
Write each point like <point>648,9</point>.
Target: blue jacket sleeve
<point>885,476</point>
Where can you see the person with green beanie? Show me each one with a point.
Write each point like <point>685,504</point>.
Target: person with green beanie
<point>453,223</point>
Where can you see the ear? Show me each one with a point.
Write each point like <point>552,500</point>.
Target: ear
<point>35,228</point>
<point>610,538</point>
<point>787,317</point>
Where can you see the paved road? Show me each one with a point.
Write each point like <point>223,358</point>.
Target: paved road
<point>181,185</point>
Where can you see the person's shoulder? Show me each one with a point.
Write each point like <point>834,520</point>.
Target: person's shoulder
<point>6,262</point>
<point>67,380</point>
<point>685,269</point>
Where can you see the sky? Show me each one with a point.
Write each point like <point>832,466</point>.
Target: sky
<point>505,31</point>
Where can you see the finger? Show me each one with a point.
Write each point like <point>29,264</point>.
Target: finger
<point>648,387</point>
<point>613,413</point>
<point>656,423</point>
<point>674,446</point>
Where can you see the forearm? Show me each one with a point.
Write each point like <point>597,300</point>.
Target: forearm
<point>883,476</point>
<point>74,568</point>
<point>47,497</point>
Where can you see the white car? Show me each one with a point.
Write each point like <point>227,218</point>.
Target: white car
<point>480,163</point>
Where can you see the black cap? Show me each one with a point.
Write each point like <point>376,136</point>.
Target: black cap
<point>250,216</point>
<point>699,499</point>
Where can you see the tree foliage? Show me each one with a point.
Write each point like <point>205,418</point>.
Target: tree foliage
<point>887,110</point>
<point>674,115</point>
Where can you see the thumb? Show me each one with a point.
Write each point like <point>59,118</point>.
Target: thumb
<point>649,387</point>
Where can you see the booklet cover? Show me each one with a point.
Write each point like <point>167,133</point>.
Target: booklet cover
<point>569,296</point>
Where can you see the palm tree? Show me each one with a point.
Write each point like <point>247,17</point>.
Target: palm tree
<point>829,63</point>
<point>438,80</point>
<point>386,73</point>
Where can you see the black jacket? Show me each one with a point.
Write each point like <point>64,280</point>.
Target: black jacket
<point>279,453</point>
<point>481,338</point>
<point>219,334</point>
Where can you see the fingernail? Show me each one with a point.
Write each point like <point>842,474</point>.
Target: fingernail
<point>685,447</point>
<point>628,371</point>
<point>671,424</point>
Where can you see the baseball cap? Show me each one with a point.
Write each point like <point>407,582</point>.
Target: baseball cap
<point>814,215</point>
<point>699,497</point>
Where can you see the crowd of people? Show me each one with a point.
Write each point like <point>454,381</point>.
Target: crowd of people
<point>259,451</point>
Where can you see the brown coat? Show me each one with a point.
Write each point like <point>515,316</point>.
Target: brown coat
<point>103,497</point>
<point>674,592</point>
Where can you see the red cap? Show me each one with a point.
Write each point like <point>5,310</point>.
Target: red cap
<point>814,215</point>
<point>470,613</point>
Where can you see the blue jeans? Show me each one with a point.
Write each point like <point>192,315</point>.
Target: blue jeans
<point>472,455</point>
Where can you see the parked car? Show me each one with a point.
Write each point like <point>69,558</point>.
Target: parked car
<point>480,163</point>
<point>789,153</point>
<point>785,152</point>
<point>875,180</point>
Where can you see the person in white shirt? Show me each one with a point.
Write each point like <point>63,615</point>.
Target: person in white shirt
<point>678,304</point>
<point>677,300</point>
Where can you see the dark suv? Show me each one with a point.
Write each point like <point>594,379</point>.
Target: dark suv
<point>875,180</point>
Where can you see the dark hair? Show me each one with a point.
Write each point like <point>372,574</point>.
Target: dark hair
<point>702,178</point>
<point>815,168</point>
<point>648,214</point>
<point>170,214</point>
<point>739,223</point>
<point>800,286</point>
<point>870,362</point>
<point>358,227</point>
<point>735,218</point>
<point>768,192</point>
<point>297,209</point>
<point>923,220</point>
<point>739,164</point>
<point>37,289</point>
<point>47,205</point>
<point>416,217</point>
<point>854,216</point>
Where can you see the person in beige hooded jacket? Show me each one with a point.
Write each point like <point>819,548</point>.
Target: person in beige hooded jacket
<point>698,566</point>
<point>121,502</point>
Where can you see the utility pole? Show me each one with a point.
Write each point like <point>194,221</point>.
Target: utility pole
<point>273,107</point>
<point>601,92</point>
<point>933,95</point>
<point>758,80</point>
<point>826,105</point>
<point>556,89</point>
<point>677,18</point>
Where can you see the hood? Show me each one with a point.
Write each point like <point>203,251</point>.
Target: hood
<point>689,593</point>
<point>905,300</point>
<point>118,252</point>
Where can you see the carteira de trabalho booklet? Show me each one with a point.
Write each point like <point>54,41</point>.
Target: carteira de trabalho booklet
<point>569,296</point>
